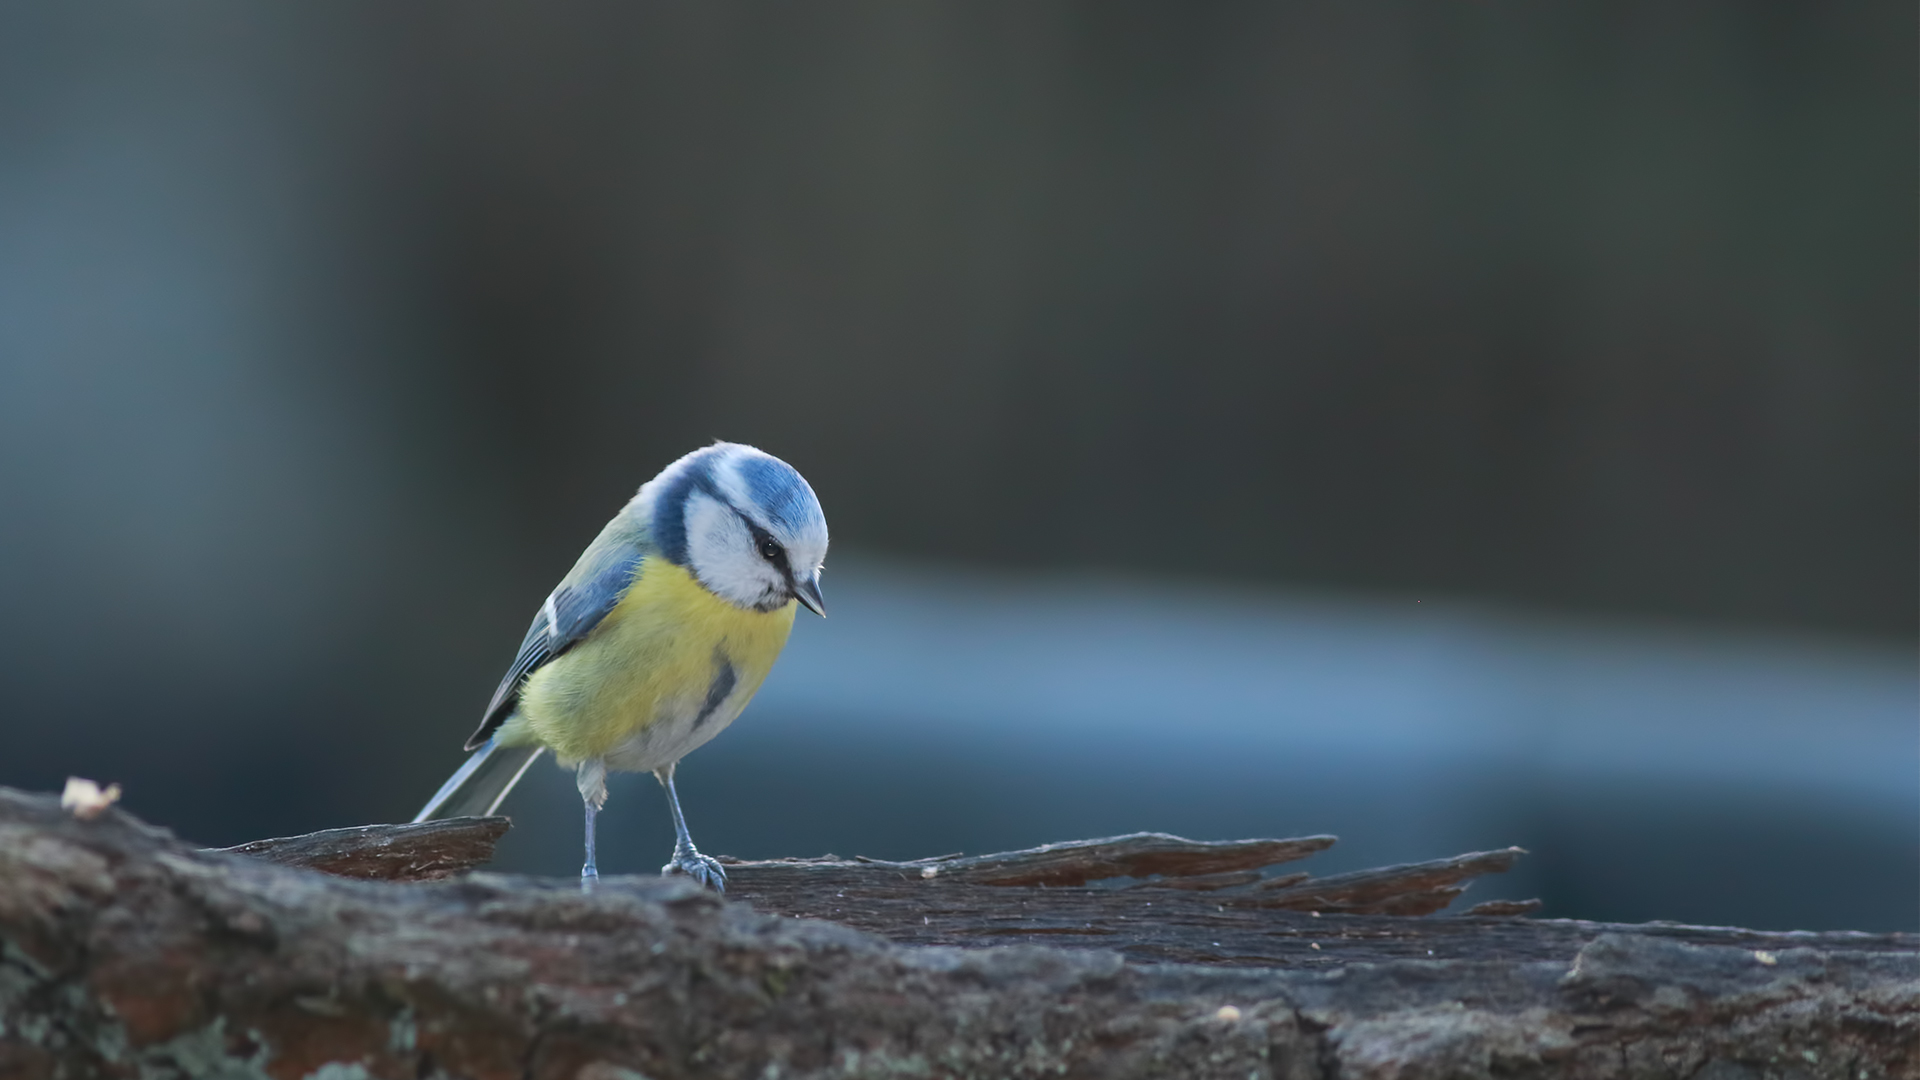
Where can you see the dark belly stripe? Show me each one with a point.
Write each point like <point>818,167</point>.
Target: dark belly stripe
<point>717,690</point>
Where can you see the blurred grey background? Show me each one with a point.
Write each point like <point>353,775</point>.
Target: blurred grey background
<point>1444,425</point>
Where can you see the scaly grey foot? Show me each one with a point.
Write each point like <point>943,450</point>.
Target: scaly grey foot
<point>698,867</point>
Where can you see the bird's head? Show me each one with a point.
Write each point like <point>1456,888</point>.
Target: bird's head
<point>743,522</point>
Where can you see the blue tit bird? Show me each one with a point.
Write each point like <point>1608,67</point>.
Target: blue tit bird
<point>656,640</point>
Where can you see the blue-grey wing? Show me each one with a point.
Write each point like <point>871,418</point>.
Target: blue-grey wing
<point>571,612</point>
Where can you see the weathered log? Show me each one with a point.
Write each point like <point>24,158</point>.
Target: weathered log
<point>126,953</point>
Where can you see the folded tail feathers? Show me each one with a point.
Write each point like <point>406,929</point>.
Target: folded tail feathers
<point>476,788</point>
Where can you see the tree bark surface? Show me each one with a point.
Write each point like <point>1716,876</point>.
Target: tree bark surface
<point>125,953</point>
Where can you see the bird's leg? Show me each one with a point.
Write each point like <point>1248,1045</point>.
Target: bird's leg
<point>686,859</point>
<point>589,873</point>
<point>591,778</point>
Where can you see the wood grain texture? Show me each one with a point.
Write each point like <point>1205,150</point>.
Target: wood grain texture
<point>1208,902</point>
<point>424,851</point>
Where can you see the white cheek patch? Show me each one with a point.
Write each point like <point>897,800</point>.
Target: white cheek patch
<point>720,549</point>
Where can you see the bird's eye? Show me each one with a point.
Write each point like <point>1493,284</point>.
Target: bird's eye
<point>769,550</point>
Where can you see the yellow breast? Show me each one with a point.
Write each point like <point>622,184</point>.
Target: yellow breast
<point>652,659</point>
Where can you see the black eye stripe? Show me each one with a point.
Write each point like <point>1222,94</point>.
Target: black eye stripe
<point>764,543</point>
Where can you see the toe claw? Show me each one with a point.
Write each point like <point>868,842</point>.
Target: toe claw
<point>700,868</point>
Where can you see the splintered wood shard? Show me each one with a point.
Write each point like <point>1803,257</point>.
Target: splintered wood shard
<point>1149,895</point>
<point>1501,909</point>
<point>1409,889</point>
<point>1179,862</point>
<point>1136,855</point>
<point>424,851</point>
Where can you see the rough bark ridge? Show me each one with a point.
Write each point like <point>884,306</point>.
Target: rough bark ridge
<point>126,953</point>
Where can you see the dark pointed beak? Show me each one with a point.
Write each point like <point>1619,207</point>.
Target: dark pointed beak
<point>808,593</point>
